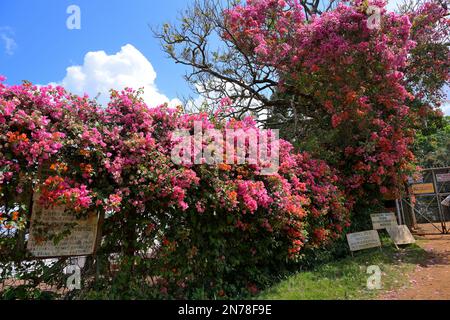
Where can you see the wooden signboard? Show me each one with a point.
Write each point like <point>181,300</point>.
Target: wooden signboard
<point>54,221</point>
<point>443,177</point>
<point>383,220</point>
<point>363,240</point>
<point>401,235</point>
<point>422,188</point>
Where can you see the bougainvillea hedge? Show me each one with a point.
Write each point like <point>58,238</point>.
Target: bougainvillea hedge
<point>218,230</point>
<point>197,222</point>
<point>367,82</point>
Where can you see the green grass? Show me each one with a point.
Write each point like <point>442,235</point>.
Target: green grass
<point>347,278</point>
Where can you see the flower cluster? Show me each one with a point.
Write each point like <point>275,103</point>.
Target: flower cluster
<point>354,74</point>
<point>118,160</point>
<point>429,62</point>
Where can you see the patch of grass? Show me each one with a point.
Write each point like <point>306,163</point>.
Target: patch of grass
<point>346,279</point>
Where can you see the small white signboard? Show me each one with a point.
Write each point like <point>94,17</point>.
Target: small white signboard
<point>443,177</point>
<point>383,220</point>
<point>446,202</point>
<point>415,179</point>
<point>363,240</point>
<point>401,235</point>
<point>45,221</point>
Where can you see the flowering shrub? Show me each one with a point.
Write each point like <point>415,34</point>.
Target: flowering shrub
<point>201,224</point>
<point>201,230</point>
<point>40,131</point>
<point>355,76</point>
<point>428,67</point>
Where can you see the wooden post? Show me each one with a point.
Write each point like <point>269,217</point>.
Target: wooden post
<point>436,194</point>
<point>98,241</point>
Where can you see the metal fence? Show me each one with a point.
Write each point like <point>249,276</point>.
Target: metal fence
<point>421,208</point>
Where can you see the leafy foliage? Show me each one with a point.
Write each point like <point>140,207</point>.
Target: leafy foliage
<point>180,228</point>
<point>348,93</point>
<point>432,147</point>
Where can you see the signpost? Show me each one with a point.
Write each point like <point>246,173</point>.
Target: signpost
<point>422,188</point>
<point>80,240</point>
<point>383,220</point>
<point>400,235</point>
<point>443,177</point>
<point>363,240</point>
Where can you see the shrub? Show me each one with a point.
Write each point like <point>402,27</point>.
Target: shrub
<point>187,230</point>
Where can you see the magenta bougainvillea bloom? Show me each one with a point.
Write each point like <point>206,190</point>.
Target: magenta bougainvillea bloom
<point>355,73</point>
<point>118,159</point>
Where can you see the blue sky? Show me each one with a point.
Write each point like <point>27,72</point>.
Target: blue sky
<point>39,47</point>
<point>113,48</point>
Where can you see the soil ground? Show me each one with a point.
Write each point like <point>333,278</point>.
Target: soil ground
<point>431,279</point>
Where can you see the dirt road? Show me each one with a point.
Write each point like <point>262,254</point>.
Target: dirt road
<point>431,280</point>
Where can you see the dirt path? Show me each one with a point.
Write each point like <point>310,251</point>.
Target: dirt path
<point>431,280</point>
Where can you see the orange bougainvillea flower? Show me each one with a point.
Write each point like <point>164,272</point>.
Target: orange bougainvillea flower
<point>58,166</point>
<point>15,215</point>
<point>350,97</point>
<point>86,168</point>
<point>84,152</point>
<point>232,195</point>
<point>16,137</point>
<point>224,167</point>
<point>242,171</point>
<point>53,181</point>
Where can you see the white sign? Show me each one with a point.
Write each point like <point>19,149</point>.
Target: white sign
<point>415,179</point>
<point>363,240</point>
<point>401,235</point>
<point>443,177</point>
<point>54,221</point>
<point>383,220</point>
<point>446,202</point>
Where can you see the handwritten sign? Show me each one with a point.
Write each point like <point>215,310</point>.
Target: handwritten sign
<point>81,234</point>
<point>422,188</point>
<point>443,177</point>
<point>383,220</point>
<point>363,240</point>
<point>401,235</point>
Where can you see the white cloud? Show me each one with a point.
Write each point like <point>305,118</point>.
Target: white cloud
<point>6,35</point>
<point>101,72</point>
